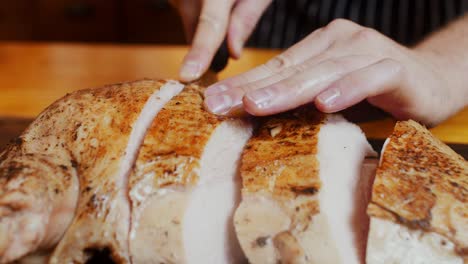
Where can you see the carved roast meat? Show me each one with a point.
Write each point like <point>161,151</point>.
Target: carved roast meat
<point>419,206</point>
<point>139,172</point>
<point>305,190</point>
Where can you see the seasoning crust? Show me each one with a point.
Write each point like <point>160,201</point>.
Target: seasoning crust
<point>280,157</point>
<point>423,184</point>
<point>175,142</point>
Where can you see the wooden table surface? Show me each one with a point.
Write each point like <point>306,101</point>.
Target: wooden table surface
<point>33,75</point>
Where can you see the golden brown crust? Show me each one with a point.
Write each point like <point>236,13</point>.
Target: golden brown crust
<point>27,174</point>
<point>98,126</point>
<point>279,164</point>
<point>99,123</point>
<point>280,157</point>
<point>82,135</point>
<point>167,168</point>
<point>423,184</point>
<point>280,161</point>
<point>181,127</point>
<point>176,140</point>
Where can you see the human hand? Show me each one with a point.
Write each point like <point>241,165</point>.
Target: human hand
<point>208,22</point>
<point>338,66</point>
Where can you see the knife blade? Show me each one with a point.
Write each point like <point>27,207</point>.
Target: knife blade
<point>219,62</point>
<point>221,58</point>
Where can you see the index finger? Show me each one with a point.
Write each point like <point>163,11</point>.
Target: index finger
<point>314,45</point>
<point>210,33</point>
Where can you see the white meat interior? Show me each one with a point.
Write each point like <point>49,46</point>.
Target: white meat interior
<point>338,232</point>
<point>390,242</point>
<point>193,224</point>
<point>152,107</point>
<point>208,231</point>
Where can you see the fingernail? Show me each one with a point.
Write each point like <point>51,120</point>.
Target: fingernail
<point>219,104</point>
<point>329,97</point>
<point>190,70</point>
<point>215,89</point>
<point>238,48</point>
<point>261,97</point>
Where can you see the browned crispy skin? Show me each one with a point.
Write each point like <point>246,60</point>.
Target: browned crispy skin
<point>37,190</point>
<point>423,184</point>
<point>102,216</point>
<point>286,141</point>
<point>280,159</point>
<point>169,160</point>
<point>280,173</point>
<point>177,137</point>
<point>81,137</point>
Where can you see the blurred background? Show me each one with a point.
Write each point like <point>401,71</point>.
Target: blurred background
<point>121,21</point>
<point>52,47</point>
<point>155,22</point>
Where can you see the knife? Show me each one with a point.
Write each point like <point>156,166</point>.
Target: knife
<point>221,58</point>
<point>219,62</point>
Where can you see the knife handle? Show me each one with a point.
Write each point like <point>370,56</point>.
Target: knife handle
<point>221,58</point>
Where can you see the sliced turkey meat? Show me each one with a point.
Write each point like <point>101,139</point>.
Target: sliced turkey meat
<point>70,169</point>
<point>141,172</point>
<point>185,185</point>
<point>305,190</point>
<point>419,207</point>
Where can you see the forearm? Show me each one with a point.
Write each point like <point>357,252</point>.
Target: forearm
<point>449,50</point>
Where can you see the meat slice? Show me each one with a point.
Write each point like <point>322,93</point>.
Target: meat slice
<point>305,190</point>
<point>419,207</point>
<point>185,185</point>
<point>102,220</point>
<point>70,169</point>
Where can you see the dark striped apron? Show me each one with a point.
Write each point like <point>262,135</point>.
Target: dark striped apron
<point>286,22</point>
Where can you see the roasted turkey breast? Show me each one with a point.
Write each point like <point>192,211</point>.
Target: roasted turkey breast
<point>140,173</point>
<point>419,207</point>
<point>69,172</point>
<point>77,179</point>
<point>185,185</point>
<point>304,194</point>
